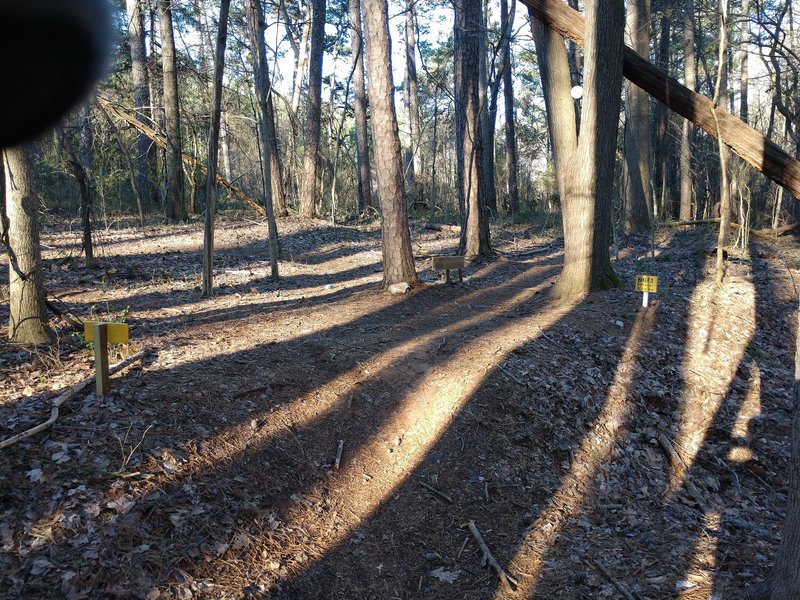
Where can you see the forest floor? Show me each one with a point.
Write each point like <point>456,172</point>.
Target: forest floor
<point>210,470</point>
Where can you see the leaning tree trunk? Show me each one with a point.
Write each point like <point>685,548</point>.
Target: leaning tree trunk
<point>258,50</point>
<point>176,211</point>
<point>360,109</point>
<point>636,167</point>
<point>469,150</point>
<point>309,192</point>
<point>213,145</point>
<point>398,260</point>
<point>585,163</point>
<point>27,308</point>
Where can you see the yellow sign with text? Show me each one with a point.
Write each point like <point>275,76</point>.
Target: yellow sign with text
<point>117,332</point>
<point>647,283</point>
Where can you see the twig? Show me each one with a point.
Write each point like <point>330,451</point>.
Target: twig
<point>680,469</point>
<point>612,579</point>
<point>507,580</point>
<point>59,400</point>
<point>549,339</point>
<point>338,454</point>
<point>433,490</point>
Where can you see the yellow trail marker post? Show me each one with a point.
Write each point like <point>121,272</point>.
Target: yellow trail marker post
<point>646,284</point>
<point>103,334</point>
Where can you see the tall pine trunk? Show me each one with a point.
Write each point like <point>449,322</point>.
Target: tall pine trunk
<point>469,150</point>
<point>360,109</point>
<point>636,167</point>
<point>398,261</point>
<point>309,191</point>
<point>690,81</point>
<point>175,208</point>
<point>512,185</point>
<point>141,99</point>
<point>258,49</point>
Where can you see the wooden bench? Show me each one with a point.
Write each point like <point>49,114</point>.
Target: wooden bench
<point>447,264</point>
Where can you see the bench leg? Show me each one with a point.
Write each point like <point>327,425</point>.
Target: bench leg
<point>459,276</point>
<point>447,276</point>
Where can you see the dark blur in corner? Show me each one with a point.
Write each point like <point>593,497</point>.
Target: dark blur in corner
<point>51,54</point>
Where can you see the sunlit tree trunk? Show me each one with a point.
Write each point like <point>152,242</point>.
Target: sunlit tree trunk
<point>398,261</point>
<point>309,191</point>
<point>585,162</point>
<point>258,50</point>
<point>636,167</point>
<point>469,151</point>
<point>690,81</point>
<point>360,109</point>
<point>27,308</point>
<point>85,158</point>
<point>176,211</point>
<point>488,116</point>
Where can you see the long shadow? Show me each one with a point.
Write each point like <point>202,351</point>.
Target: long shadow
<point>292,384</point>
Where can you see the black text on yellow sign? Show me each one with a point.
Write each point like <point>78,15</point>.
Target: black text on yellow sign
<point>646,283</point>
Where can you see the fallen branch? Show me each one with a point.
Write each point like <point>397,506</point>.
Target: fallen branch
<point>612,579</point>
<point>680,469</point>
<point>767,233</point>
<point>338,454</point>
<point>59,400</point>
<point>433,490</point>
<point>507,580</point>
<point>161,141</point>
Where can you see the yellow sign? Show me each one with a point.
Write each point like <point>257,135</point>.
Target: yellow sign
<point>117,332</point>
<point>647,283</point>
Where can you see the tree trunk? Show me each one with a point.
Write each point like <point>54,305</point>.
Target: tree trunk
<point>687,129</point>
<point>512,186</point>
<point>259,52</point>
<point>309,192</point>
<point>27,309</point>
<point>398,261</point>
<point>360,109</point>
<point>636,167</point>
<point>414,169</point>
<point>176,211</point>
<point>720,99</point>
<point>488,116</point>
<point>469,150</point>
<point>585,163</point>
<point>141,95</point>
<point>662,147</point>
<point>85,150</point>
<point>213,145</point>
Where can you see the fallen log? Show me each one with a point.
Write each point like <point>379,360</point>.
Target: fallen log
<point>764,155</point>
<point>161,141</point>
<point>767,233</point>
<point>442,227</point>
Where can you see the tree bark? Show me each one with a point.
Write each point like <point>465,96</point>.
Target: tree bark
<point>487,115</point>
<point>258,48</point>
<point>469,150</point>
<point>764,155</point>
<point>360,109</point>
<point>687,130</point>
<point>85,158</point>
<point>213,145</point>
<point>309,192</point>
<point>176,210</point>
<point>512,185</point>
<point>141,95</point>
<point>636,167</point>
<point>398,261</point>
<point>415,168</point>
<point>585,162</point>
<point>27,309</point>
<point>662,146</point>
